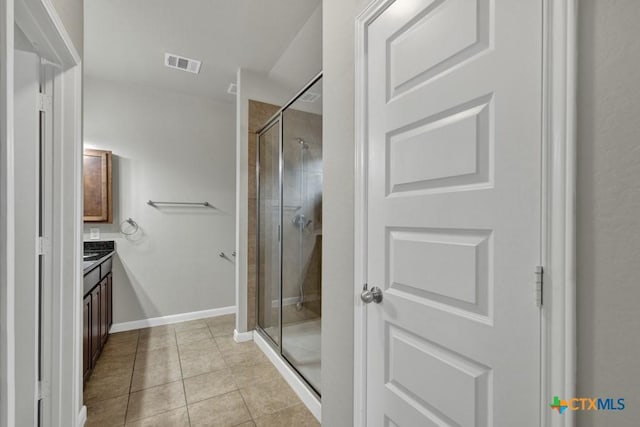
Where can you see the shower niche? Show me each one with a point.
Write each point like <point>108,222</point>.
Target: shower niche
<point>289,232</point>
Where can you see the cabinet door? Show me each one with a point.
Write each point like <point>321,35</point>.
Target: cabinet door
<point>95,325</point>
<point>104,295</point>
<point>109,301</point>
<point>86,338</point>
<point>97,186</point>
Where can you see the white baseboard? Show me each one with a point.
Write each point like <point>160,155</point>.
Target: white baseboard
<point>82,417</point>
<point>310,400</point>
<point>242,336</point>
<point>174,318</point>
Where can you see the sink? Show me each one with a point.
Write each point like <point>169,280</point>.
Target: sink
<point>95,255</point>
<point>95,252</point>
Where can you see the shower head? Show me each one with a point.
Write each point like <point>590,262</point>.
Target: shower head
<point>303,144</point>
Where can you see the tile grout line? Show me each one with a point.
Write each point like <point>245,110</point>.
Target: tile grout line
<point>184,388</point>
<point>234,380</point>
<point>246,406</point>
<point>135,356</point>
<point>150,387</point>
<point>98,399</point>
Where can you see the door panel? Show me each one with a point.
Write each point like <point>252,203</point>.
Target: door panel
<point>445,382</point>
<point>27,218</point>
<point>434,37</point>
<point>448,149</point>
<point>96,344</point>
<point>269,218</point>
<point>109,301</point>
<point>454,155</point>
<point>423,263</point>
<point>97,180</point>
<point>86,337</point>
<point>104,307</point>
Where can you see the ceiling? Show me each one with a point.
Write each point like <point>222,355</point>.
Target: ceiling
<point>125,40</point>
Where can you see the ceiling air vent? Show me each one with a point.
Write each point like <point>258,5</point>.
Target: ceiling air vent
<point>232,89</point>
<point>309,97</point>
<point>181,63</point>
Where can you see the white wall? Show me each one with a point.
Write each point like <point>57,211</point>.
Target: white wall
<point>608,287</point>
<point>302,59</point>
<point>338,210</point>
<point>169,147</point>
<point>7,233</point>
<point>21,40</point>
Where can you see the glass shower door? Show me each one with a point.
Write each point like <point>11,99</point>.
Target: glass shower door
<point>289,219</point>
<point>269,218</point>
<point>302,233</point>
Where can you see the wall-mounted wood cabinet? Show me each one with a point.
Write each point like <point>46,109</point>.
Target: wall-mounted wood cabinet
<point>97,186</point>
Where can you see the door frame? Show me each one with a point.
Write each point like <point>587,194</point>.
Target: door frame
<point>42,25</point>
<point>558,313</point>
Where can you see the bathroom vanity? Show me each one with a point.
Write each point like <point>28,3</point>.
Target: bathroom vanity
<point>98,298</point>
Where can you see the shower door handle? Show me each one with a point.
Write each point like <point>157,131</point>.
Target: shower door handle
<point>373,295</point>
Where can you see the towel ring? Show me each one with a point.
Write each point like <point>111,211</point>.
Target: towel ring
<point>132,223</point>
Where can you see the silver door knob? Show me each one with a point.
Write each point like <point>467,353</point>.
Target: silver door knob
<point>373,295</point>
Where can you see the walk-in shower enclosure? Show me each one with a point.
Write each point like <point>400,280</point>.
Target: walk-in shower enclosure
<point>289,234</point>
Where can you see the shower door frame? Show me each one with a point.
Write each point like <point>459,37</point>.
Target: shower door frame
<point>277,120</point>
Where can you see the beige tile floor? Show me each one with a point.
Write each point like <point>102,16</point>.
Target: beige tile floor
<point>189,374</point>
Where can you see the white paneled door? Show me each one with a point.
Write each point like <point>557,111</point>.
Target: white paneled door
<point>27,227</point>
<point>453,134</point>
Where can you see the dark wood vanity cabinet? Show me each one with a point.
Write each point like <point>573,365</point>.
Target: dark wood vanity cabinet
<point>96,339</point>
<point>109,302</point>
<point>86,338</point>
<point>104,327</point>
<point>98,315</point>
